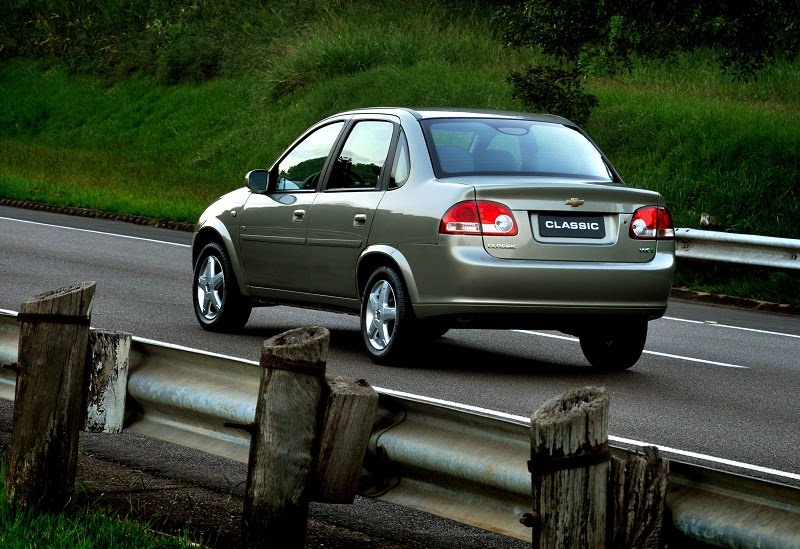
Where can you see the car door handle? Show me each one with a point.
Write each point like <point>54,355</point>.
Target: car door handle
<point>360,220</point>
<point>298,215</point>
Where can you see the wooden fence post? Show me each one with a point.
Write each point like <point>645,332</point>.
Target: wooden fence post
<point>569,467</point>
<point>49,402</point>
<point>639,487</point>
<point>350,409</point>
<point>107,371</point>
<point>282,449</point>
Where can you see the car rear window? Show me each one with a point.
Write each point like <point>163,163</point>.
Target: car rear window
<point>494,146</point>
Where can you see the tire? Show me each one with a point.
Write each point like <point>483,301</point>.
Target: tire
<point>218,304</point>
<point>617,350</point>
<point>387,320</point>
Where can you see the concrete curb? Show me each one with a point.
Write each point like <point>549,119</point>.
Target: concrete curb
<point>85,212</point>
<point>685,294</point>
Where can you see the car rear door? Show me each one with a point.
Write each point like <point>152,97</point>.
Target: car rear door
<point>341,216</point>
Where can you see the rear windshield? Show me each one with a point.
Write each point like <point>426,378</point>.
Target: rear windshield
<point>494,146</point>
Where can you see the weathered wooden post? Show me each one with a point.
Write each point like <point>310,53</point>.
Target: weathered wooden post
<point>569,467</point>
<point>49,401</point>
<point>638,486</point>
<point>282,449</point>
<point>107,371</point>
<point>350,408</point>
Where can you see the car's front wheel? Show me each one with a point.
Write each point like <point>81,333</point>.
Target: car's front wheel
<point>387,319</point>
<point>218,304</point>
<point>617,349</point>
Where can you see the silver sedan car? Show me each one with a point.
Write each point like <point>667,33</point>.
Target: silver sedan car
<point>421,221</point>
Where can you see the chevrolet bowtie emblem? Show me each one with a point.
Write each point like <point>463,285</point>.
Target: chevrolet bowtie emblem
<point>574,202</point>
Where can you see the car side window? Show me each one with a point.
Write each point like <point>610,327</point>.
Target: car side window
<point>360,164</point>
<point>401,168</point>
<point>300,169</point>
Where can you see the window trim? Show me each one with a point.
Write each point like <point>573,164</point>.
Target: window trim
<point>384,178</point>
<point>273,173</point>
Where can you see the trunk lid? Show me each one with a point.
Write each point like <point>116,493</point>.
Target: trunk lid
<point>568,220</point>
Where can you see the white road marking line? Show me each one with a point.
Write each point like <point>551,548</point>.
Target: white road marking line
<point>553,336</point>
<point>712,459</point>
<point>666,355</point>
<point>700,360</point>
<point>717,325</point>
<point>95,232</point>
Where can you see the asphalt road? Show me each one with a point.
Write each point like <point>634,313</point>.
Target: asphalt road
<point>716,381</point>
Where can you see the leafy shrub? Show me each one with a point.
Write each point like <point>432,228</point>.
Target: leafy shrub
<point>191,56</point>
<point>554,90</point>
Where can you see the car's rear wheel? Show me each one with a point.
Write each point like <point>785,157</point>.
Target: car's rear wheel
<point>387,320</point>
<point>218,304</point>
<point>617,349</point>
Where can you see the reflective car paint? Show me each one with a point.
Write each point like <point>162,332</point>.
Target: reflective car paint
<point>318,247</point>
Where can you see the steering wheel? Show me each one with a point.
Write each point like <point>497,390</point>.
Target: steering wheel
<point>310,182</point>
<point>356,177</point>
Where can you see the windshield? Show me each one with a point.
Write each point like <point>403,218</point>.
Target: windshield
<point>493,146</point>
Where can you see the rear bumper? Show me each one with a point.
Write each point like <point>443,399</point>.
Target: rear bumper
<point>468,281</point>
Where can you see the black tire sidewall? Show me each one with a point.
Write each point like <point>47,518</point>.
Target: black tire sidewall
<point>232,310</point>
<point>404,321</point>
<point>626,345</point>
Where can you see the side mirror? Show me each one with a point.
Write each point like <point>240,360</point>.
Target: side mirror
<point>257,180</point>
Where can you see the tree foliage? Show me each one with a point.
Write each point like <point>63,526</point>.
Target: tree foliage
<point>605,36</point>
<point>746,34</point>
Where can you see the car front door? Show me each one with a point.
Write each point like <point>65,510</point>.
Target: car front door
<point>274,223</point>
<point>341,216</point>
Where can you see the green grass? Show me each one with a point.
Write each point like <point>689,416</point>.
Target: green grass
<point>76,528</point>
<point>100,128</point>
<point>738,162</point>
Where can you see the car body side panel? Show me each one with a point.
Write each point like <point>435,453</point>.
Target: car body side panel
<point>338,229</point>
<point>273,239</point>
<point>219,222</point>
<point>384,254</point>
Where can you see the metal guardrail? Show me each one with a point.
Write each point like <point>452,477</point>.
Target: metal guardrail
<point>742,249</point>
<point>452,460</point>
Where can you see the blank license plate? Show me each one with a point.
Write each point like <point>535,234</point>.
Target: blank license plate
<point>572,226</point>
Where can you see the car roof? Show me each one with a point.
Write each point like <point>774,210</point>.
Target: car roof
<point>436,112</point>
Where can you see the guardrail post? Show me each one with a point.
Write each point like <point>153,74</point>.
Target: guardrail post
<point>350,410</point>
<point>107,371</point>
<point>569,466</point>
<point>638,486</point>
<point>49,401</point>
<point>283,445</point>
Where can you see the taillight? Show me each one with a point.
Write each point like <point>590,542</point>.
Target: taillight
<point>652,223</point>
<point>481,217</point>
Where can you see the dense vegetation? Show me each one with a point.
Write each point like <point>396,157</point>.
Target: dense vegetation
<point>155,107</point>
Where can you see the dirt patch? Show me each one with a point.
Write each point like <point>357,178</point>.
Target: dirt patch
<point>172,507</point>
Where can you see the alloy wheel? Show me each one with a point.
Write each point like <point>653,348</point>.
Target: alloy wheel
<point>381,315</point>
<point>211,288</point>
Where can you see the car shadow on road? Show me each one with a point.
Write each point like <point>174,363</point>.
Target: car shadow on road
<point>443,354</point>
<point>446,354</point>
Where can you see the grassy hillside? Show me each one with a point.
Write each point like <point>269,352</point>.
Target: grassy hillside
<point>155,108</point>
